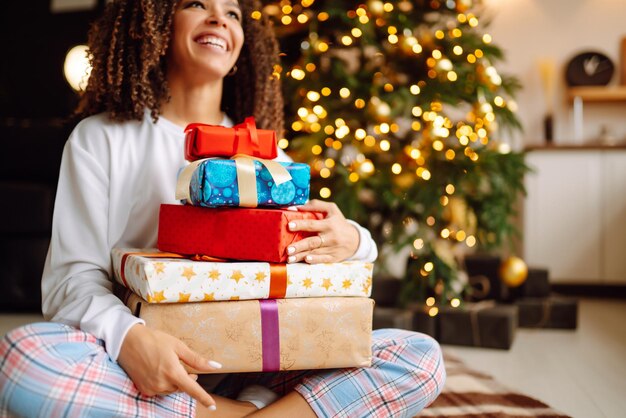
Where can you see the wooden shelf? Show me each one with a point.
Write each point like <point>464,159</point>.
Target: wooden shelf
<point>620,146</point>
<point>598,93</point>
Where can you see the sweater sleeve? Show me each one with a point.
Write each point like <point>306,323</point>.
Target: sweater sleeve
<point>367,250</point>
<point>76,285</point>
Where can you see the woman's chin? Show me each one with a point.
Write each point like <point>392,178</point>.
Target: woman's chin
<point>200,75</point>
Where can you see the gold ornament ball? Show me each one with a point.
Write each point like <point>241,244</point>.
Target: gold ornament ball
<point>404,180</point>
<point>513,271</point>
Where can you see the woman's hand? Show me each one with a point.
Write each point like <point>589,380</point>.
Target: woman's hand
<point>151,359</point>
<point>336,238</point>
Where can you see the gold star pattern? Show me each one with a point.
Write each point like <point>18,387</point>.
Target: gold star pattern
<point>307,283</point>
<point>214,274</point>
<point>366,286</point>
<point>260,277</point>
<point>326,284</point>
<point>188,273</point>
<point>158,297</point>
<point>208,297</point>
<point>183,297</point>
<point>159,267</point>
<point>236,276</point>
<point>347,284</point>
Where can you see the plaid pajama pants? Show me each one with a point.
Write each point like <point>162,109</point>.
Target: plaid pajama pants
<point>53,370</point>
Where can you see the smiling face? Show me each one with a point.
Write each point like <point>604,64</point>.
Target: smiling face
<point>206,40</point>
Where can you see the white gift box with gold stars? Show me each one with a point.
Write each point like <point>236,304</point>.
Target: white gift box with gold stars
<point>170,278</point>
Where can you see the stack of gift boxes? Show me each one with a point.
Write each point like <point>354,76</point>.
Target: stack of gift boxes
<point>491,313</point>
<point>219,280</point>
<point>535,304</point>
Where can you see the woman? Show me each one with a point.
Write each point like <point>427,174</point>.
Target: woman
<point>157,66</point>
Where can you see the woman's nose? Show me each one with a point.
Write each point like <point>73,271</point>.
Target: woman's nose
<point>216,17</point>
<point>216,20</point>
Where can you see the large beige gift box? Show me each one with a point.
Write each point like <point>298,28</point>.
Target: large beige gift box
<point>269,335</point>
<point>169,278</point>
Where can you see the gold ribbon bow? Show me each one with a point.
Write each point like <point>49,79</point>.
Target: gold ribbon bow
<point>480,286</point>
<point>246,178</point>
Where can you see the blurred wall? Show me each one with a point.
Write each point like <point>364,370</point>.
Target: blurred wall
<point>533,30</point>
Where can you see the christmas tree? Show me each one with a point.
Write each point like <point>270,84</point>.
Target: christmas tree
<point>397,106</point>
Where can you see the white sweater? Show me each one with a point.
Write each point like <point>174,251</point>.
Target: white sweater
<point>113,178</point>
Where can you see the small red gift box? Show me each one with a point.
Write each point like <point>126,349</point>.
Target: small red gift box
<point>233,233</point>
<point>203,141</point>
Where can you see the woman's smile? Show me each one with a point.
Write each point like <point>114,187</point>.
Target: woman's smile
<point>213,41</point>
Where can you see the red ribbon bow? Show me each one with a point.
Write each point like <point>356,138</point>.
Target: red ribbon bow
<point>204,141</point>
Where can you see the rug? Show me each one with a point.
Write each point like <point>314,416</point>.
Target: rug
<point>469,393</point>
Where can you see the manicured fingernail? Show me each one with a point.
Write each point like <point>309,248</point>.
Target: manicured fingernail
<point>292,225</point>
<point>215,364</point>
<point>212,408</point>
<point>309,258</point>
<point>291,250</point>
<point>291,259</point>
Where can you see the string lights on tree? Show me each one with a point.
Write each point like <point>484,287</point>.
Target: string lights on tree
<point>397,105</point>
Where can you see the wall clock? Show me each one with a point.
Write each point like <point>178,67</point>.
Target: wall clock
<point>589,69</point>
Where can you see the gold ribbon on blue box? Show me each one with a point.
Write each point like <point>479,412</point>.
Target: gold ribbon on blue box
<point>244,181</point>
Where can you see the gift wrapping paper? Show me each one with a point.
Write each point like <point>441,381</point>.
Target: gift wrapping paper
<point>202,141</point>
<point>536,285</point>
<point>481,324</point>
<point>269,335</point>
<point>164,278</point>
<point>217,183</point>
<point>232,233</point>
<point>551,312</point>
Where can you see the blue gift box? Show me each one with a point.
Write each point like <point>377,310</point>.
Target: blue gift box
<point>215,183</point>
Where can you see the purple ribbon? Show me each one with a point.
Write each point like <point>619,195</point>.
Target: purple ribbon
<point>270,335</point>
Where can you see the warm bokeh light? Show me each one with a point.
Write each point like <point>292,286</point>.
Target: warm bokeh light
<point>76,67</point>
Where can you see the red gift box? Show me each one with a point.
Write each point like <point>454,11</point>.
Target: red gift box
<point>203,141</point>
<point>233,233</point>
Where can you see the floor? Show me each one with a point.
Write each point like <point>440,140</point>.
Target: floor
<point>581,373</point>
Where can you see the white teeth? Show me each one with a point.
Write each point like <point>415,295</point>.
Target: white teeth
<point>213,40</point>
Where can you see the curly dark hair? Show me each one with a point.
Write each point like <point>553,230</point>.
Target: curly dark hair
<point>128,46</point>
